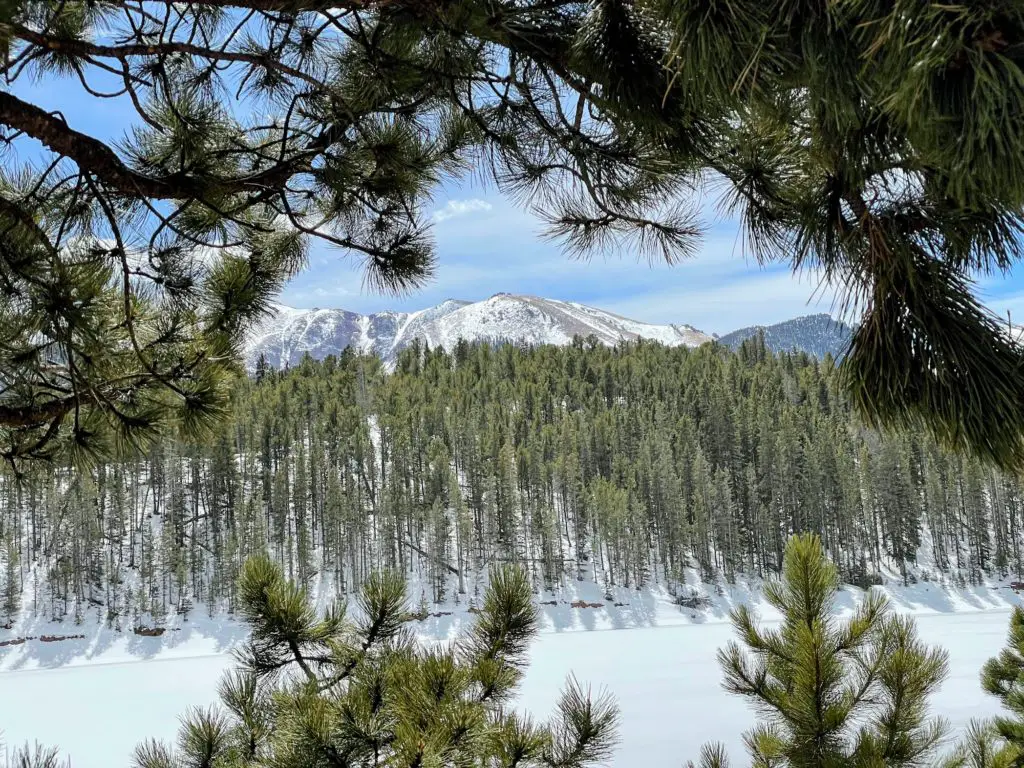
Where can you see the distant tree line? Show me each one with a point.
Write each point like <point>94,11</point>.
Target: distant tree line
<point>631,465</point>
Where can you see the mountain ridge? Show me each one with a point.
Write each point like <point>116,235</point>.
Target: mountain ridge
<point>503,318</point>
<point>817,335</point>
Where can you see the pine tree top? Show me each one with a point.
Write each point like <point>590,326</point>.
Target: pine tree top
<point>329,690</point>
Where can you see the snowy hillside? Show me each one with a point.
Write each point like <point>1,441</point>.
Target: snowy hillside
<point>284,338</point>
<point>817,335</point>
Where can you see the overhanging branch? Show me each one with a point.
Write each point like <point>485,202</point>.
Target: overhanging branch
<point>89,154</point>
<point>93,156</point>
<point>123,52</point>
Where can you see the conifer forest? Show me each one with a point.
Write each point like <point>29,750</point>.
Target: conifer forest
<point>637,465</point>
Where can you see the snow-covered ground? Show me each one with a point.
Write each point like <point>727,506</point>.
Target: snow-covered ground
<point>98,696</point>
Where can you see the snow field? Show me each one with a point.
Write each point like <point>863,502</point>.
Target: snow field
<point>665,679</point>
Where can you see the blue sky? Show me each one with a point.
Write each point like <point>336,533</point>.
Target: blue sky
<point>485,246</point>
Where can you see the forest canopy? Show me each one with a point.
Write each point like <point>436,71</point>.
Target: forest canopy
<point>632,467</point>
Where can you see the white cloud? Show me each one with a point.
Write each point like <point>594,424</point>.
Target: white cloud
<point>454,208</point>
<point>321,296</point>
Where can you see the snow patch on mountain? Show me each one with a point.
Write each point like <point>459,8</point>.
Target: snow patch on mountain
<point>290,333</point>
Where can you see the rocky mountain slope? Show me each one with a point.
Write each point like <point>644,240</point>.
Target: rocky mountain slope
<point>284,338</point>
<point>814,334</point>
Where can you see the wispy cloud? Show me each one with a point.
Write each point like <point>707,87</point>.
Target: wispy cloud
<point>455,208</point>
<point>335,294</point>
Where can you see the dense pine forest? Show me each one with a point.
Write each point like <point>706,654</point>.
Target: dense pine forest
<point>633,466</point>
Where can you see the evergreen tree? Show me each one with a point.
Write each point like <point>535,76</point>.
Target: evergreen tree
<point>982,747</point>
<point>831,694</point>
<point>36,756</point>
<point>11,593</point>
<point>1003,677</point>
<point>881,142</point>
<point>131,272</point>
<point>323,690</point>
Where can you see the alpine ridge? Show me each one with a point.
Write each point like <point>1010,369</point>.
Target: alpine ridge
<point>283,338</point>
<point>817,335</point>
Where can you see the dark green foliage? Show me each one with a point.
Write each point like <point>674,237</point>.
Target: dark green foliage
<point>830,693</point>
<point>131,268</point>
<point>1003,677</point>
<point>327,690</point>
<point>881,144</point>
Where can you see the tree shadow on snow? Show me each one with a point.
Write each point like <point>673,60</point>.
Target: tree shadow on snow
<point>105,644</point>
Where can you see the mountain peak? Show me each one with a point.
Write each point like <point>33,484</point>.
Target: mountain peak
<point>504,317</point>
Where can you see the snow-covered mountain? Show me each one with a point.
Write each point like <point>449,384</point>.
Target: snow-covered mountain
<point>814,334</point>
<point>290,333</point>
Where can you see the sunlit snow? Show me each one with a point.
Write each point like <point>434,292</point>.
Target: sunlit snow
<point>97,697</point>
<point>290,333</point>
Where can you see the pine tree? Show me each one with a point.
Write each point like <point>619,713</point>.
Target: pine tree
<point>132,272</point>
<point>831,694</point>
<point>982,747</point>
<point>11,594</point>
<point>881,142</point>
<point>321,690</point>
<point>1003,677</point>
<point>35,756</point>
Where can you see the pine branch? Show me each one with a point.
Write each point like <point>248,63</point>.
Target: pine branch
<point>95,157</point>
<point>34,415</point>
<point>89,154</point>
<point>78,47</point>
